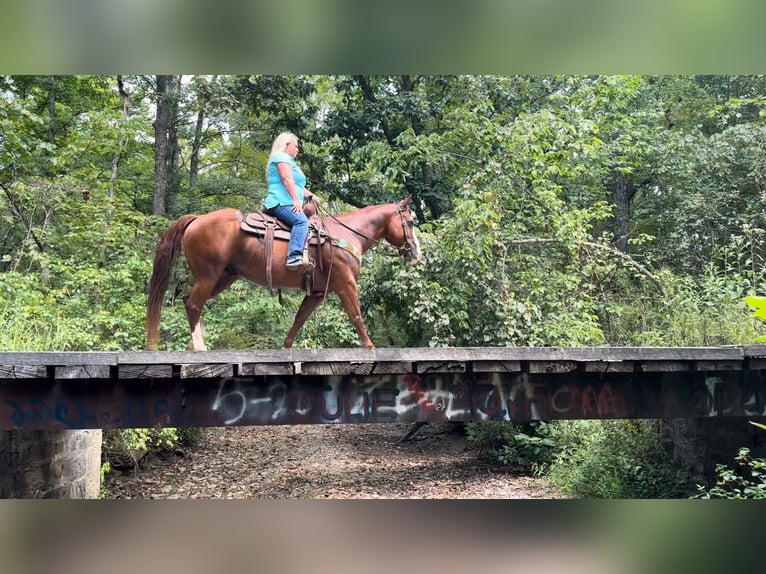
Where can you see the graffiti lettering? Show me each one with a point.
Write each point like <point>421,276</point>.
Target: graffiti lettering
<point>297,399</point>
<point>78,414</point>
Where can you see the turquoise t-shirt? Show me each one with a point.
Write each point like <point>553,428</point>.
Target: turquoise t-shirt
<point>277,193</point>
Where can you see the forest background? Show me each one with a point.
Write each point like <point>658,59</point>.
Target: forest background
<point>552,210</point>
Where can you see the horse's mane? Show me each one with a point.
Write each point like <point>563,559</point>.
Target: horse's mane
<point>361,210</point>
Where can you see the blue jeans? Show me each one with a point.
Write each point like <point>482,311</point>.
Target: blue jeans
<point>299,227</point>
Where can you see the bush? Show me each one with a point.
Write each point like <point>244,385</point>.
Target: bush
<point>124,449</point>
<point>530,445</point>
<point>615,459</point>
<point>747,480</point>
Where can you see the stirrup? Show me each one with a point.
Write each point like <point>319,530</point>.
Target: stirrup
<point>294,263</point>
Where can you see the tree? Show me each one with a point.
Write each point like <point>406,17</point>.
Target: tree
<point>166,150</point>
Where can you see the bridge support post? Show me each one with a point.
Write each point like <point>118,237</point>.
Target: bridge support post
<point>50,464</point>
<point>702,442</point>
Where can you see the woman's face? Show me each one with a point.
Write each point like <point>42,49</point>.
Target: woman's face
<point>292,148</point>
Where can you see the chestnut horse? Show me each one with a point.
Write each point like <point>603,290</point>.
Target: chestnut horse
<point>219,252</point>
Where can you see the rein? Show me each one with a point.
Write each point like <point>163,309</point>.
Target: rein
<point>406,247</point>
<point>342,244</point>
<point>322,210</point>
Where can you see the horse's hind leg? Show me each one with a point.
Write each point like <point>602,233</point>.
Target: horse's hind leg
<point>194,302</point>
<point>201,292</point>
<point>309,304</point>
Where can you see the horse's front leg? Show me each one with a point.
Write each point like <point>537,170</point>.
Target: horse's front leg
<point>349,298</point>
<point>309,304</point>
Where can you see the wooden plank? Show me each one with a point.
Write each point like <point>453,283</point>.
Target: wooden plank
<point>255,369</point>
<point>420,354</point>
<point>336,368</point>
<point>444,366</point>
<point>756,364</point>
<point>58,358</point>
<point>82,372</point>
<point>145,371</point>
<point>460,354</point>
<point>552,366</point>
<point>23,371</point>
<point>755,351</point>
<point>205,357</point>
<point>395,361</point>
<point>663,366</point>
<point>197,371</point>
<point>496,366</point>
<point>609,366</point>
<point>392,368</point>
<point>718,365</point>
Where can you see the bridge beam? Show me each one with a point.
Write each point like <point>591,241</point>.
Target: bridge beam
<point>53,391</point>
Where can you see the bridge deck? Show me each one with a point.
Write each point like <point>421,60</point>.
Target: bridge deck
<point>59,390</point>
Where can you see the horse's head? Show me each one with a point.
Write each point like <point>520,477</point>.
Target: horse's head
<point>400,232</point>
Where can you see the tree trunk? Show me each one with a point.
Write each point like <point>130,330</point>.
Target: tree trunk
<point>50,464</point>
<point>123,140</point>
<point>202,99</point>
<point>52,111</point>
<point>623,192</point>
<point>162,122</point>
<point>196,145</point>
<point>173,150</point>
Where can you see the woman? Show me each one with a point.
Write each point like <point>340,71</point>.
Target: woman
<point>286,194</point>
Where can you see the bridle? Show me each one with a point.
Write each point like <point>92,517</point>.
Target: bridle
<point>407,225</point>
<point>403,250</point>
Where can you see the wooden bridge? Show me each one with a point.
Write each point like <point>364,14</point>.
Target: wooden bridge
<point>72,390</point>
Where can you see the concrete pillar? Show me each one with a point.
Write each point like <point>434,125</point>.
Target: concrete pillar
<point>50,464</point>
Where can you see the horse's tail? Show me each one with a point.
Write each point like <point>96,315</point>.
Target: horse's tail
<point>164,258</point>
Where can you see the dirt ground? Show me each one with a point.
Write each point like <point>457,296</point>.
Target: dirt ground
<point>327,461</point>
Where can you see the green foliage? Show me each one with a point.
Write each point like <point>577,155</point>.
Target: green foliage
<point>614,459</point>
<point>759,306</point>
<point>705,311</point>
<point>19,332</point>
<point>126,447</point>
<point>88,280</point>
<point>746,480</point>
<point>530,446</point>
<point>520,186</point>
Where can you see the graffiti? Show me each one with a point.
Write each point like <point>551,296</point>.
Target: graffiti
<point>409,398</point>
<point>374,398</point>
<point>237,402</point>
<point>79,414</point>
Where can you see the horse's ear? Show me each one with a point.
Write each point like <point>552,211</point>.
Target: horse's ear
<point>406,200</point>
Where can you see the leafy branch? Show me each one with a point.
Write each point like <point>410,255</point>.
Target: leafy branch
<point>611,250</point>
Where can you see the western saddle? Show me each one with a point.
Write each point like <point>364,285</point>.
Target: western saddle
<point>272,228</point>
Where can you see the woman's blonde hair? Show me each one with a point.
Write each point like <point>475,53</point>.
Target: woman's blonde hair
<point>280,145</point>
<point>281,141</point>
